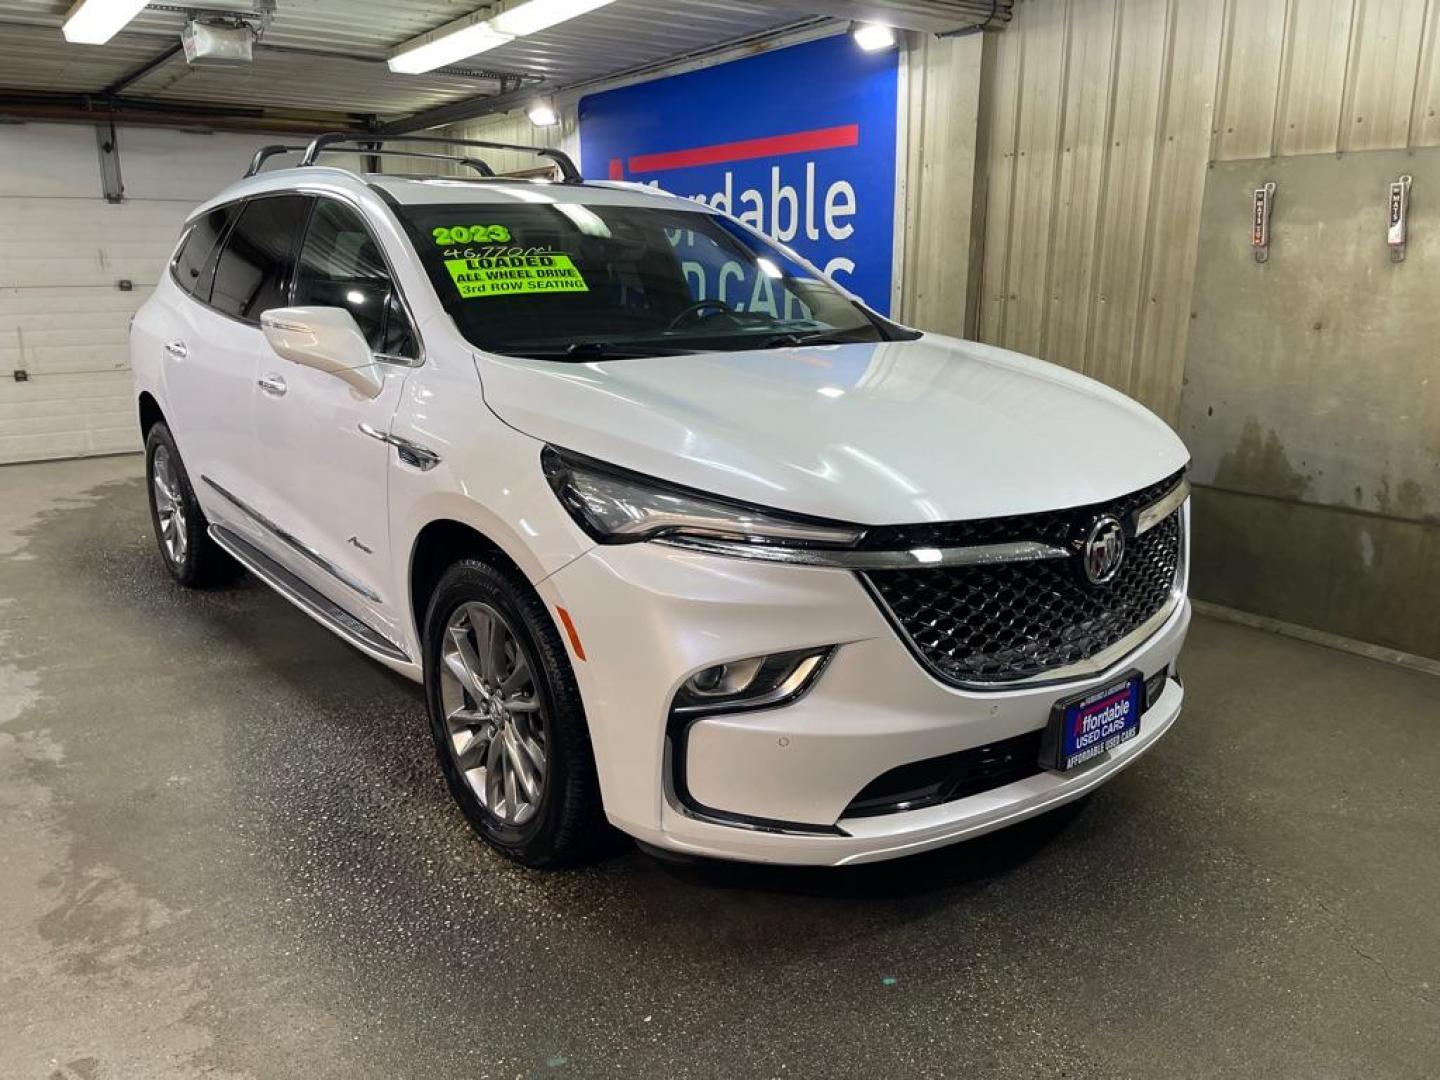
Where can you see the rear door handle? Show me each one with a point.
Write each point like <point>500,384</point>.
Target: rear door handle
<point>273,385</point>
<point>177,349</point>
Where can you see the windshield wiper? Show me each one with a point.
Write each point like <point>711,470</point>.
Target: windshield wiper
<point>581,352</point>
<point>791,338</point>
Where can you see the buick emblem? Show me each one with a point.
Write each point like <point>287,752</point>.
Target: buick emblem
<point>1103,550</point>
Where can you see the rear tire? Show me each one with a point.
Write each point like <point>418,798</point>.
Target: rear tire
<point>193,559</point>
<point>507,719</point>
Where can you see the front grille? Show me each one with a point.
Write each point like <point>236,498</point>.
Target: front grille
<point>1001,622</point>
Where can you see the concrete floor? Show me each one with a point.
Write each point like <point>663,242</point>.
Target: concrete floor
<point>225,851</point>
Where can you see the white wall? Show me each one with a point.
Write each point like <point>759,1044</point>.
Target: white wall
<point>63,249</point>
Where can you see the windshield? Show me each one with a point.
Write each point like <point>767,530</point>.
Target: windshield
<point>558,280</point>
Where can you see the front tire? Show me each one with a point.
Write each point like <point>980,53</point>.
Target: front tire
<point>193,559</point>
<point>507,719</point>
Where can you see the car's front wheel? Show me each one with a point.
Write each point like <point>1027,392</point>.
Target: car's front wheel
<point>507,718</point>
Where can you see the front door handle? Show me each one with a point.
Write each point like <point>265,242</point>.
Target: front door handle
<point>273,385</point>
<point>178,349</point>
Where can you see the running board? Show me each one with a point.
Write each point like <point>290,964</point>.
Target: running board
<point>307,599</point>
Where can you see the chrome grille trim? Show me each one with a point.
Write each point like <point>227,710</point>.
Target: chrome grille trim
<point>914,558</point>
<point>1146,518</point>
<point>919,556</point>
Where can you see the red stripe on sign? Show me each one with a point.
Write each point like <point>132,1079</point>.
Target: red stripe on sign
<point>617,169</point>
<point>798,142</point>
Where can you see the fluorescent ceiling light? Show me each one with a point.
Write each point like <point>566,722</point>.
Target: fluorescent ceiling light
<point>872,37</point>
<point>447,46</point>
<point>471,35</point>
<point>542,114</point>
<point>536,15</point>
<point>94,22</point>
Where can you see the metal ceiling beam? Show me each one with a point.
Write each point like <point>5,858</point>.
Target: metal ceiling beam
<point>92,108</point>
<point>926,16</point>
<point>136,74</point>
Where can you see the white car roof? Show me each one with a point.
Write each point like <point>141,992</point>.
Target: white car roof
<point>415,191</point>
<point>420,191</point>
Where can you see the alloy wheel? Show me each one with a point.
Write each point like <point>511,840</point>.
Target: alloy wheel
<point>495,723</point>
<point>169,508</point>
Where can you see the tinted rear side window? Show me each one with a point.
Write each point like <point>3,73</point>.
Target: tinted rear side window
<point>194,264</point>
<point>253,269</point>
<point>341,265</point>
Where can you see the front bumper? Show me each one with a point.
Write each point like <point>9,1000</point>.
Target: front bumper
<point>773,785</point>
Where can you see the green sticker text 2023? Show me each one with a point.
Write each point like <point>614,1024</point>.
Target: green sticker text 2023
<point>507,275</point>
<point>470,234</point>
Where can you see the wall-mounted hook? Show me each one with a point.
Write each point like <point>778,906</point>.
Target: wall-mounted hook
<point>1260,222</point>
<point>1399,216</point>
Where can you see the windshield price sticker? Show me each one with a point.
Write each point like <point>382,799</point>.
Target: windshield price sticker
<point>507,275</point>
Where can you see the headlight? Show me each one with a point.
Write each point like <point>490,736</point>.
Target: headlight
<point>615,506</point>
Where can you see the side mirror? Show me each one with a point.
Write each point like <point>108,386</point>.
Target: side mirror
<point>326,339</point>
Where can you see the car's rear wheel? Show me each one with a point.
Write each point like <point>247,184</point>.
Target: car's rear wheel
<point>193,559</point>
<point>506,715</point>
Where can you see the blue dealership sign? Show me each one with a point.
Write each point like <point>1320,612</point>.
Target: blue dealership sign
<point>798,143</point>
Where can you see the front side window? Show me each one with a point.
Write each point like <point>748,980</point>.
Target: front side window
<point>341,265</point>
<point>562,280</point>
<point>251,274</point>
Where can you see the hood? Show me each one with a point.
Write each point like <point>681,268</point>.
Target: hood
<point>897,432</point>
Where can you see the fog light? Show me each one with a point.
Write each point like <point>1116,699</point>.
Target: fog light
<point>752,683</point>
<point>724,680</point>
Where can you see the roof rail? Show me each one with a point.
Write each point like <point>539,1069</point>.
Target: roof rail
<point>326,143</point>
<point>265,153</point>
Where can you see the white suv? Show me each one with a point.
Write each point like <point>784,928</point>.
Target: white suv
<point>675,531</point>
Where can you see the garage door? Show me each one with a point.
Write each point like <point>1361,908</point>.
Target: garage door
<point>73,268</point>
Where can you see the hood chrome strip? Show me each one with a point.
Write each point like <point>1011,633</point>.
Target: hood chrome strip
<point>1146,518</point>
<point>912,559</point>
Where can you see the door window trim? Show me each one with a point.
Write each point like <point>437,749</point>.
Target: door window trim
<point>291,260</point>
<point>242,201</point>
<point>219,245</point>
<point>314,194</point>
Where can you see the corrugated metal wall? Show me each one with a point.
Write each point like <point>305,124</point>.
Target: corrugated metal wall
<point>1099,118</point>
<point>936,182</point>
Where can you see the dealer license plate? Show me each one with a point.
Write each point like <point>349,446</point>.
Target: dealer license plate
<point>1084,727</point>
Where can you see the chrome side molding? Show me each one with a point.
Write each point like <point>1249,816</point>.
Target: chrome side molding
<point>325,611</point>
<point>412,453</point>
<point>296,545</point>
